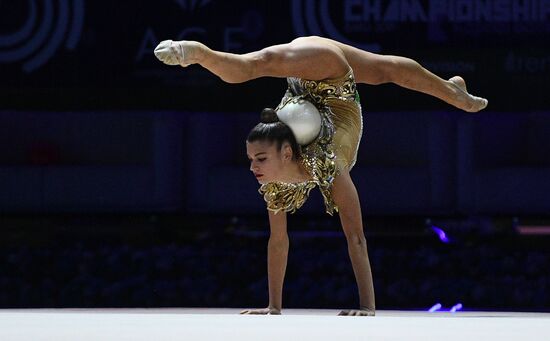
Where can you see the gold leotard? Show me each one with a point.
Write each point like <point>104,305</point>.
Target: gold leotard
<point>335,148</point>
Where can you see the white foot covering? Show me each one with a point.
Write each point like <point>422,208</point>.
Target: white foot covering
<point>472,103</point>
<point>173,52</point>
<point>478,103</point>
<point>164,53</point>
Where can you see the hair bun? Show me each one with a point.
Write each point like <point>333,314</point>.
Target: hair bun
<point>269,115</point>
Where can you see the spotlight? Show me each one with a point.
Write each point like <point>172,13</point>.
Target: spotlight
<point>455,308</point>
<point>435,308</point>
<point>441,234</point>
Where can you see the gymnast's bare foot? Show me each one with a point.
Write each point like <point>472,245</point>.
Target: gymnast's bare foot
<point>264,311</point>
<point>182,53</point>
<point>360,312</point>
<point>466,101</point>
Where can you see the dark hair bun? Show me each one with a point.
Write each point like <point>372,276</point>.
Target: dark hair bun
<point>269,115</point>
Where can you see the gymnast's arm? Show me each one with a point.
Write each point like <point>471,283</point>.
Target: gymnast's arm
<point>277,255</point>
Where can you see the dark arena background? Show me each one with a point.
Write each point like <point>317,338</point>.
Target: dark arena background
<point>124,182</point>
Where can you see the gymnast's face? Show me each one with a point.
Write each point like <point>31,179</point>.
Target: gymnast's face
<point>267,162</point>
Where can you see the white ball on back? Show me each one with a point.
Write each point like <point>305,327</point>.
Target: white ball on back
<point>303,118</point>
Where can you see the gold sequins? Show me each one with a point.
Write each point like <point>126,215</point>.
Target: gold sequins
<point>318,157</point>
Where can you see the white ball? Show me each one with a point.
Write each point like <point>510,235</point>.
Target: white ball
<point>303,118</point>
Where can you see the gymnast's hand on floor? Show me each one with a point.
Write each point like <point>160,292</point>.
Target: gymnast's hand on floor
<point>360,312</point>
<point>264,311</point>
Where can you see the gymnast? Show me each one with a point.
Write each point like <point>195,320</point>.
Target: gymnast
<point>311,138</point>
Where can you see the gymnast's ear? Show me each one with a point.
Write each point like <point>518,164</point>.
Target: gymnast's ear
<point>286,150</point>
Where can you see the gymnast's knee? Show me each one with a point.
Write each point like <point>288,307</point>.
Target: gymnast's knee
<point>267,61</point>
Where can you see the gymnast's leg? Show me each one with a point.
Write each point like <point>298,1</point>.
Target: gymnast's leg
<point>371,68</point>
<point>308,59</point>
<point>318,58</point>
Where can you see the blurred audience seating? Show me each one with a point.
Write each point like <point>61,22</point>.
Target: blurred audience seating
<point>504,163</point>
<point>423,163</point>
<point>405,164</point>
<point>90,161</point>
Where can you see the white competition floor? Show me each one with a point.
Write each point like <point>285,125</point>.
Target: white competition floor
<point>294,324</point>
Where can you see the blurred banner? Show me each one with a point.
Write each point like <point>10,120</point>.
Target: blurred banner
<point>84,54</point>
